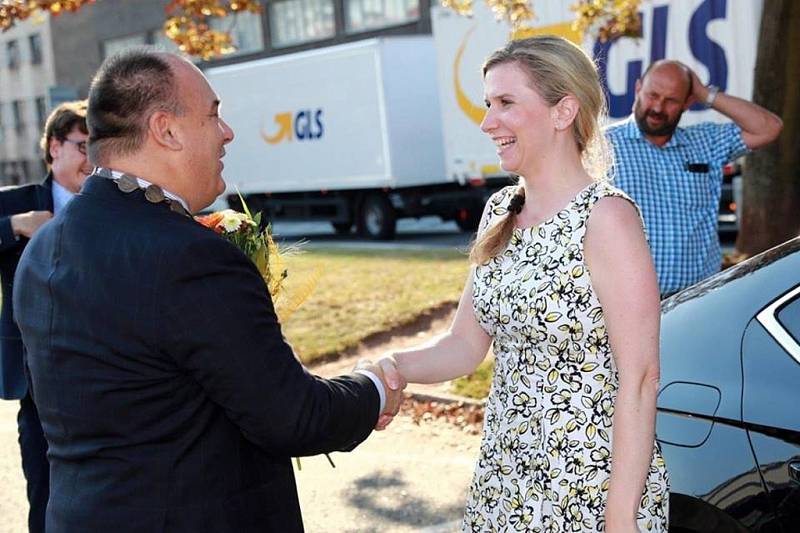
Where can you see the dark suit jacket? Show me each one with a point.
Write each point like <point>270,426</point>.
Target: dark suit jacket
<point>14,200</point>
<point>168,396</point>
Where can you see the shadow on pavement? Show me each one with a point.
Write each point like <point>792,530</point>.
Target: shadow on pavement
<point>384,496</point>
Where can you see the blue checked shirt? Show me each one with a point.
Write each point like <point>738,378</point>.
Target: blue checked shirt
<point>679,205</point>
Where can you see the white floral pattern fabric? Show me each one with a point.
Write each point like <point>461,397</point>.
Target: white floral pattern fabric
<point>545,456</point>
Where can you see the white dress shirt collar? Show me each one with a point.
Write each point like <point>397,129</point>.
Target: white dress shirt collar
<point>60,196</point>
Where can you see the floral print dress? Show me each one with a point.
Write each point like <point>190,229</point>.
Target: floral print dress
<point>545,457</point>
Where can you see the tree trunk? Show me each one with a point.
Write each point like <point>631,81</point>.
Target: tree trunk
<point>771,185</point>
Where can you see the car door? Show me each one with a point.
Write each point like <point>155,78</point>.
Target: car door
<point>771,402</point>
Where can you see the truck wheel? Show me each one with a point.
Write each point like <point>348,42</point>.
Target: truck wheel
<point>342,228</point>
<point>377,219</point>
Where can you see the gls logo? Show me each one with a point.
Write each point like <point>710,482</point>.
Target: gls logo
<point>706,50</point>
<point>305,125</point>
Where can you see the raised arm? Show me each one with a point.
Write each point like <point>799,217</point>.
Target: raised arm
<point>759,126</point>
<point>624,279</point>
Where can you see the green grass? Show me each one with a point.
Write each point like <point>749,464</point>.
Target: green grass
<point>476,385</point>
<point>360,293</point>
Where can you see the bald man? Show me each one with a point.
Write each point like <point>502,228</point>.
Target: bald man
<point>675,174</point>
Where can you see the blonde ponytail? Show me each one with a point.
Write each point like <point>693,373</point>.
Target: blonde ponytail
<point>494,239</point>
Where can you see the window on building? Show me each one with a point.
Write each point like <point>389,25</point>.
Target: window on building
<point>12,54</point>
<point>35,43</point>
<point>41,112</point>
<point>17,111</point>
<point>245,30</point>
<point>363,15</point>
<point>300,21</point>
<point>119,44</point>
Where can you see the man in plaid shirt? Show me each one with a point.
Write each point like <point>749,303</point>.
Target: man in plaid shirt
<point>675,174</point>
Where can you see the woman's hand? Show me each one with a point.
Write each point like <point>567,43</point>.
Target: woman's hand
<point>395,381</point>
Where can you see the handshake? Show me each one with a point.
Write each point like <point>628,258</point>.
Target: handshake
<point>393,384</point>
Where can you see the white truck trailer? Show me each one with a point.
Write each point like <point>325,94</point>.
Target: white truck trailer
<point>351,134</point>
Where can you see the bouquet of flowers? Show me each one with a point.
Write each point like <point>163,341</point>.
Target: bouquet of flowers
<point>245,231</point>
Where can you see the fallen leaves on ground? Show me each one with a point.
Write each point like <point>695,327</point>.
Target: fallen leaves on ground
<point>467,417</point>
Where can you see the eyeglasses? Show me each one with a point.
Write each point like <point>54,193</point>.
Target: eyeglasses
<point>80,145</point>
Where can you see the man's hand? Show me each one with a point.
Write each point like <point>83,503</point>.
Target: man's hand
<point>699,89</point>
<point>393,384</point>
<point>759,126</point>
<point>26,224</point>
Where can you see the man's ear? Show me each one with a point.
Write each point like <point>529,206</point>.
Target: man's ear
<point>163,129</point>
<point>564,112</point>
<point>690,100</point>
<point>55,148</point>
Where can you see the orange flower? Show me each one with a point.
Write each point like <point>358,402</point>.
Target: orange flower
<point>212,221</point>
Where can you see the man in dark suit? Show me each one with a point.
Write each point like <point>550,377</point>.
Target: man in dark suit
<point>169,398</point>
<point>23,210</point>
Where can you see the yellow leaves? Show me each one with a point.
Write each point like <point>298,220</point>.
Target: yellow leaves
<point>462,7</point>
<point>188,25</point>
<point>608,19</point>
<point>12,11</point>
<point>515,12</point>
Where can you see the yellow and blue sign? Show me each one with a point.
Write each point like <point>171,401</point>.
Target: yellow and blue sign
<point>303,125</point>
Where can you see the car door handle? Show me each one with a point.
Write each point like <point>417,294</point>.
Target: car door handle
<point>794,471</point>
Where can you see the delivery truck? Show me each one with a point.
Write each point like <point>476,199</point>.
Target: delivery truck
<point>349,134</point>
<point>365,133</point>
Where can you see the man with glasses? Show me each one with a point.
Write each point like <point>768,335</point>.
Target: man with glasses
<point>23,210</point>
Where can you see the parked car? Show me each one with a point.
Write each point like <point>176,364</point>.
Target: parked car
<point>729,405</point>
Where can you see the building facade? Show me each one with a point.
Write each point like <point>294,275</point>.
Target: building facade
<point>26,73</point>
<point>49,60</point>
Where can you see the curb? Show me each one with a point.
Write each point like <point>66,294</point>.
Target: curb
<point>447,399</point>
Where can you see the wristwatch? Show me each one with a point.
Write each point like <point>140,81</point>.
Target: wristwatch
<point>713,90</point>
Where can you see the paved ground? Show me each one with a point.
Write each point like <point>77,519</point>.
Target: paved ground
<point>407,478</point>
<point>13,504</point>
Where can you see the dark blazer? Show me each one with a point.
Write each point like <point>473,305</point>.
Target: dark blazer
<point>169,398</point>
<point>14,200</point>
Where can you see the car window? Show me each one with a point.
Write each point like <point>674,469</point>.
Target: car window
<point>789,317</point>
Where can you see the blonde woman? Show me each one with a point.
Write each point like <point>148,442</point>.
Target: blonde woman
<point>563,288</point>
